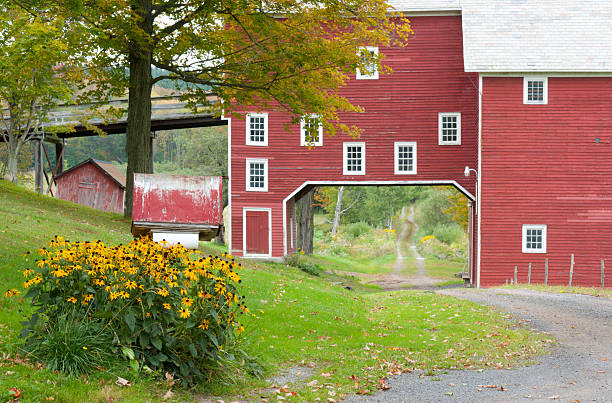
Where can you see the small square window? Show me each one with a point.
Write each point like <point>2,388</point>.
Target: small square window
<point>535,90</point>
<point>311,131</point>
<point>534,238</point>
<point>449,128</point>
<point>405,158</point>
<point>257,129</point>
<point>369,59</point>
<point>354,159</point>
<point>257,175</point>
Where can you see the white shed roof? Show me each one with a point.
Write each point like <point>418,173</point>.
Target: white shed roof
<point>425,5</point>
<point>537,35</point>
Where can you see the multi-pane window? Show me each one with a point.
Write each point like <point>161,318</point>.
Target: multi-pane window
<point>534,238</point>
<point>449,128</point>
<point>405,158</point>
<point>257,175</point>
<point>311,131</point>
<point>535,90</point>
<point>369,56</point>
<point>257,129</point>
<point>354,159</point>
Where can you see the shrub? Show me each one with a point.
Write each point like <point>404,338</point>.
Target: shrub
<point>71,344</point>
<point>357,229</point>
<point>173,308</point>
<point>448,233</point>
<point>295,260</point>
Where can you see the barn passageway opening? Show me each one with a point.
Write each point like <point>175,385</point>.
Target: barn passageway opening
<point>391,236</point>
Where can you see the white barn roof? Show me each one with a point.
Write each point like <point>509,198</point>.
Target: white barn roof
<point>537,35</point>
<point>425,5</point>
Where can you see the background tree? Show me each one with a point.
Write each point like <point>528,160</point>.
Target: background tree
<point>292,55</point>
<point>35,76</point>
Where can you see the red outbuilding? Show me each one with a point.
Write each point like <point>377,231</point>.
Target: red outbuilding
<point>94,184</point>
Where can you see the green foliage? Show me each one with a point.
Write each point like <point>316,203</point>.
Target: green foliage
<point>168,308</point>
<point>70,342</point>
<point>297,260</point>
<point>358,229</point>
<point>448,233</point>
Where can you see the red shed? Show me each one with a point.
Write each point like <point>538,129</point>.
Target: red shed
<point>94,184</point>
<point>177,208</point>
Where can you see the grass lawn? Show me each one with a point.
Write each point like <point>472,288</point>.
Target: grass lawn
<point>341,341</point>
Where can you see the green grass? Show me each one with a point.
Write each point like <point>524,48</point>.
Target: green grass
<point>594,291</point>
<point>443,269</point>
<point>378,264</point>
<point>350,338</point>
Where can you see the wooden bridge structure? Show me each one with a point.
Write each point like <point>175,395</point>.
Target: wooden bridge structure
<point>167,113</point>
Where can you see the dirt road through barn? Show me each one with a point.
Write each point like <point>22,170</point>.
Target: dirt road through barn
<point>578,370</point>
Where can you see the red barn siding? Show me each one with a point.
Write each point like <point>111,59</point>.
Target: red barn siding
<point>541,165</point>
<point>428,78</point>
<point>90,186</point>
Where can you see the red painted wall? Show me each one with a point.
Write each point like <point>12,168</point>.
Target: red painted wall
<point>90,186</point>
<point>541,165</point>
<point>427,78</point>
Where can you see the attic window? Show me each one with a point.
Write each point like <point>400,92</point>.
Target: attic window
<point>369,56</point>
<point>311,131</point>
<point>257,129</point>
<point>535,90</point>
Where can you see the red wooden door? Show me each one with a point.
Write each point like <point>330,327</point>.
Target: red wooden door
<point>87,194</point>
<point>257,233</point>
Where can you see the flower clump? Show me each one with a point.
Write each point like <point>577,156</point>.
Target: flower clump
<point>173,306</point>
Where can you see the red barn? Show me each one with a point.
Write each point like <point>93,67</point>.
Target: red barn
<point>94,184</point>
<point>494,85</point>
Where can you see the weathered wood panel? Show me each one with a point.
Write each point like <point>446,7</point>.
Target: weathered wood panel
<point>543,164</point>
<point>178,199</point>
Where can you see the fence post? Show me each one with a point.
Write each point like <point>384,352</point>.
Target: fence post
<point>602,274</point>
<point>515,275</point>
<point>546,272</point>
<point>529,274</point>
<point>571,270</point>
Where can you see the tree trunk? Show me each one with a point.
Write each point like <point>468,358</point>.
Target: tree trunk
<point>305,219</point>
<point>12,158</point>
<point>338,211</point>
<point>138,144</point>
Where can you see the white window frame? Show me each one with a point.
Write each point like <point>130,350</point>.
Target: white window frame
<point>244,232</point>
<point>374,74</point>
<point>449,143</point>
<point>396,147</point>
<point>526,80</point>
<point>345,158</point>
<point>544,237</point>
<point>249,142</point>
<point>249,161</point>
<point>303,141</point>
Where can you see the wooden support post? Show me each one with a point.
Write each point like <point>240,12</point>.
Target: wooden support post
<point>38,166</point>
<point>546,272</point>
<point>571,270</point>
<point>602,274</point>
<point>529,274</point>
<point>152,156</point>
<point>59,158</point>
<point>506,281</point>
<point>515,275</point>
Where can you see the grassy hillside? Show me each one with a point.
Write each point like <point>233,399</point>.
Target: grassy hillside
<point>349,340</point>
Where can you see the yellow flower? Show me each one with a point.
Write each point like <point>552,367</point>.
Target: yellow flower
<point>183,291</point>
<point>27,272</point>
<point>71,299</point>
<point>163,292</point>
<point>184,313</point>
<point>114,295</point>
<point>88,297</point>
<point>167,306</point>
<point>130,285</point>
<point>11,293</point>
<point>59,273</point>
<point>204,325</point>
<point>187,301</point>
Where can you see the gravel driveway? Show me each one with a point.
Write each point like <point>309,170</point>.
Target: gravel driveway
<point>579,370</point>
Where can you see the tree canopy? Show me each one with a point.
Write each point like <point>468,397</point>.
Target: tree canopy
<point>292,54</point>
